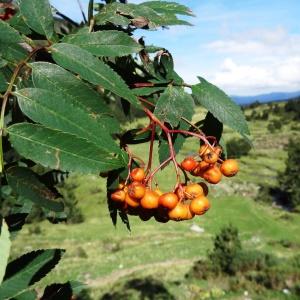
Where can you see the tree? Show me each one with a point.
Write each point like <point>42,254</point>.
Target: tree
<point>59,90</point>
<point>290,179</point>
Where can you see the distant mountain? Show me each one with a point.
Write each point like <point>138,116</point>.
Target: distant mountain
<point>265,97</point>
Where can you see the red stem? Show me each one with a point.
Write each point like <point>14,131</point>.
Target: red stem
<point>150,176</point>
<point>203,138</point>
<point>143,84</point>
<point>152,126</point>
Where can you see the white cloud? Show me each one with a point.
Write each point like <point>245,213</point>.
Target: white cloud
<point>258,61</point>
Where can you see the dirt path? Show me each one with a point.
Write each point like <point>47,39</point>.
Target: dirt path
<point>116,275</point>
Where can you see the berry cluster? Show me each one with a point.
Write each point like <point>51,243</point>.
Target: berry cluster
<point>136,197</point>
<point>209,165</point>
<point>7,11</point>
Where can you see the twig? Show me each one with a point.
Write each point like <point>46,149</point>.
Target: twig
<point>90,11</point>
<point>65,17</point>
<point>82,12</point>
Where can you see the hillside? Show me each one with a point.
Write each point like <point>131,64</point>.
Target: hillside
<point>103,256</point>
<point>264,98</point>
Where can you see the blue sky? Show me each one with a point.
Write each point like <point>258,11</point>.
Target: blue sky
<point>246,47</point>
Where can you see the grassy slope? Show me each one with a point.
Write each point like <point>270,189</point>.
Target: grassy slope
<point>168,250</point>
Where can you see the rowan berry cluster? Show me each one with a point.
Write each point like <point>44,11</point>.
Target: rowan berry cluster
<point>136,197</point>
<point>208,164</point>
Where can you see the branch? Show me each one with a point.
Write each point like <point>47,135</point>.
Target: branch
<point>8,92</point>
<point>82,12</point>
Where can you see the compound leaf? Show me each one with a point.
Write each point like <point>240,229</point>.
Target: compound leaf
<point>8,34</point>
<point>104,43</point>
<point>38,16</point>
<point>25,183</point>
<point>27,270</point>
<point>5,244</point>
<point>54,111</point>
<point>90,68</point>
<point>173,104</point>
<point>220,105</point>
<point>62,151</point>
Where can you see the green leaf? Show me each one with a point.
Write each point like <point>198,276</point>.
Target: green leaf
<point>62,151</point>
<point>173,104</point>
<point>27,295</point>
<point>18,23</point>
<point>92,69</point>
<point>5,244</point>
<point>141,15</point>
<point>8,34</point>
<point>104,43</point>
<point>37,15</point>
<point>146,91</point>
<point>3,62</point>
<point>54,111</point>
<point>53,77</point>
<point>12,52</point>
<point>25,183</point>
<point>178,141</point>
<point>220,105</point>
<point>169,19</point>
<point>27,270</point>
<point>168,7</point>
<point>109,15</point>
<point>3,82</point>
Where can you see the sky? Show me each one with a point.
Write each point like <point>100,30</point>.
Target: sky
<point>246,47</point>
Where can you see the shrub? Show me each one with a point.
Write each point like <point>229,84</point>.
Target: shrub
<point>237,147</point>
<point>274,125</point>
<point>227,245</point>
<point>140,289</point>
<point>290,180</point>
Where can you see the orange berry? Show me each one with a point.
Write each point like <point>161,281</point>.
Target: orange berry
<point>193,190</point>
<point>121,185</point>
<point>131,201</point>
<point>136,190</point>
<point>229,167</point>
<point>150,200</point>
<point>189,214</point>
<point>180,192</point>
<point>204,149</point>
<point>211,157</point>
<point>178,213</point>
<point>118,196</point>
<point>204,187</point>
<point>189,164</point>
<point>213,175</point>
<point>158,192</point>
<point>201,168</point>
<point>137,174</point>
<point>199,205</point>
<point>218,150</point>
<point>145,214</point>
<point>161,216</point>
<point>168,200</point>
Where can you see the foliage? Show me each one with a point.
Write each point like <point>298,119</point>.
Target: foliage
<point>289,179</point>
<point>227,245</point>
<point>245,269</point>
<point>58,93</point>
<point>237,147</point>
<point>140,289</point>
<point>274,125</point>
<point>293,106</point>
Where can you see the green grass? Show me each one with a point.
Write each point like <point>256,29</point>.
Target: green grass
<point>101,255</point>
